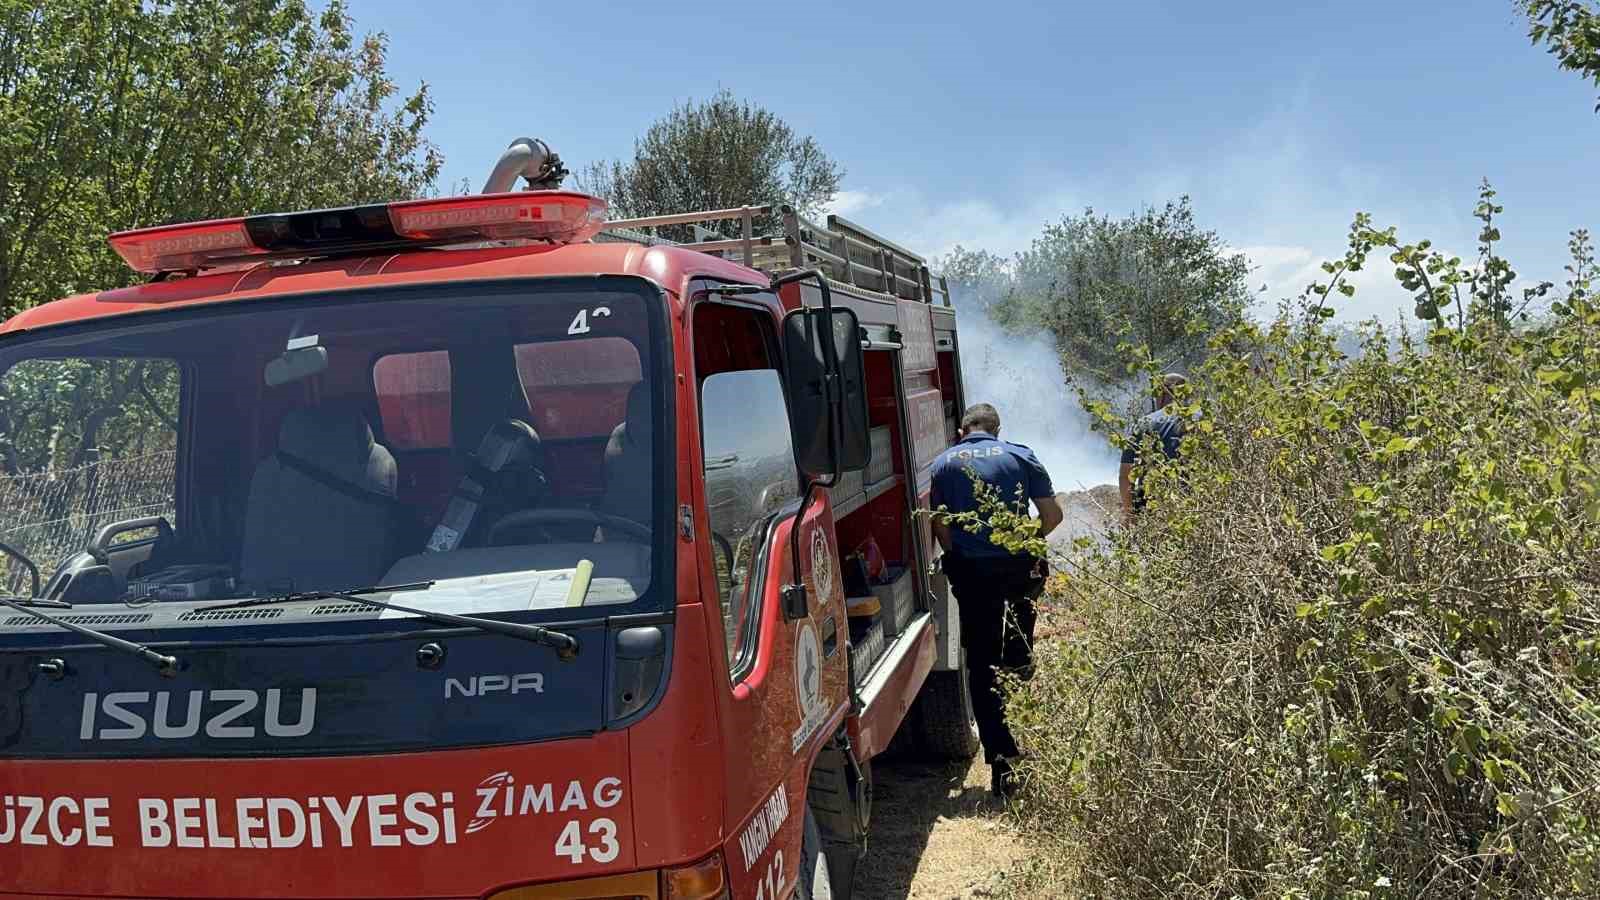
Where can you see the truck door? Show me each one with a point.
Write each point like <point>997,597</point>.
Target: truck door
<point>786,679</point>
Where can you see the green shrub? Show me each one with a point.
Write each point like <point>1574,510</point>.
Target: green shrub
<point>1354,650</point>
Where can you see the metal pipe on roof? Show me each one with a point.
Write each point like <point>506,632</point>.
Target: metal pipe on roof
<point>528,158</point>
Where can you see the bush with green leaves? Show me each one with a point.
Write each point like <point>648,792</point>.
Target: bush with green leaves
<point>1354,650</point>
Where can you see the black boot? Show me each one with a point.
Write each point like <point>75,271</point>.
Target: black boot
<point>1002,780</point>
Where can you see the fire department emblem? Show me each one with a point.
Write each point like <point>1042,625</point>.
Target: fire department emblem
<point>807,670</point>
<point>807,684</point>
<point>821,566</point>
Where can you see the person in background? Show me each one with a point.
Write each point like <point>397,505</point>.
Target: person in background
<point>1163,422</point>
<point>994,587</point>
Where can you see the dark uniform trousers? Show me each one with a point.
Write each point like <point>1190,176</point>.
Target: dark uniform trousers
<point>995,598</point>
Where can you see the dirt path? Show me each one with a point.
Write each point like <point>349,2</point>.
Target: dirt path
<point>937,834</point>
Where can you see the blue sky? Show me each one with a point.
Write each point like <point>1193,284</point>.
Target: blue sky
<point>976,124</point>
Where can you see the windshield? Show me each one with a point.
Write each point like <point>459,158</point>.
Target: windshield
<point>494,443</point>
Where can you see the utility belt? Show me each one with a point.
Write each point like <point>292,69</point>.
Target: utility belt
<point>1008,569</point>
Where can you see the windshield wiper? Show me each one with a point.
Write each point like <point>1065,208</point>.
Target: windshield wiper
<point>351,594</point>
<point>167,665</point>
<point>37,603</point>
<point>565,645</point>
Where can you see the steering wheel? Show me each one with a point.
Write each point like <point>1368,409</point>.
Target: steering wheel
<point>533,518</point>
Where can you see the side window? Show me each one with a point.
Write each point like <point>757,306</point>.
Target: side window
<point>414,399</point>
<point>84,443</point>
<point>749,468</point>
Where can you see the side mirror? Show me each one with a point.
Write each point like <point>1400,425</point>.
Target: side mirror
<point>805,371</point>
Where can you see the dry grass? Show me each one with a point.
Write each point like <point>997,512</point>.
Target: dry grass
<point>937,834</point>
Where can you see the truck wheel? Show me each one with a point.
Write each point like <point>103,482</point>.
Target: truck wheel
<point>815,881</point>
<point>842,808</point>
<point>941,719</point>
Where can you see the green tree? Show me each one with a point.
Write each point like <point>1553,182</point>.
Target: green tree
<point>1098,285</point>
<point>118,114</point>
<point>1570,30</point>
<point>716,154</point>
<point>978,279</point>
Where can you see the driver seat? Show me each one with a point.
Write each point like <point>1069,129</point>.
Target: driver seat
<point>322,510</point>
<point>627,461</point>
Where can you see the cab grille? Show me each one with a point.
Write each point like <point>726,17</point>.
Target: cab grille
<point>91,619</point>
<point>228,615</point>
<point>341,609</point>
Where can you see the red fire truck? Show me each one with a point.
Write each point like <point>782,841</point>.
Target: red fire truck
<point>472,547</point>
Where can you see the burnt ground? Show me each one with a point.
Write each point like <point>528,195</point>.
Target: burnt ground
<point>1087,514</point>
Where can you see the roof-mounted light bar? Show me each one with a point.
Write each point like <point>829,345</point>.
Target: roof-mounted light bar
<point>171,248</point>
<point>560,217</point>
<point>531,215</point>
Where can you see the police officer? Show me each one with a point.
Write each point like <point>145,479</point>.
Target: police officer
<point>1168,428</point>
<point>994,587</point>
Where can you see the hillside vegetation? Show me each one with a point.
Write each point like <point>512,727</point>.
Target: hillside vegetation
<point>1352,647</point>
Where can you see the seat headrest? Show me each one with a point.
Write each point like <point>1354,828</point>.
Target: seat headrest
<point>511,443</point>
<point>638,415</point>
<point>332,437</point>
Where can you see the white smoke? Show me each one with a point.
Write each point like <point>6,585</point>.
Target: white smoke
<point>1022,377</point>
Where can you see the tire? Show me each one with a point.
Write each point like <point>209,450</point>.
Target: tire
<point>816,882</point>
<point>842,810</point>
<point>940,721</point>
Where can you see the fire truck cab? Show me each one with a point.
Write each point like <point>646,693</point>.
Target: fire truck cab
<point>473,547</point>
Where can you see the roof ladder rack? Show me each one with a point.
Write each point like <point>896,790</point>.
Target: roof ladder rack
<point>847,252</point>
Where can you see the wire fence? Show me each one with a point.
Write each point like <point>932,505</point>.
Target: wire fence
<point>50,515</point>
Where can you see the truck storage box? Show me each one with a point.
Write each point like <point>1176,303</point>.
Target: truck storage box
<point>863,607</point>
<point>896,599</point>
<point>866,646</point>
<point>850,484</point>
<point>881,465</point>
